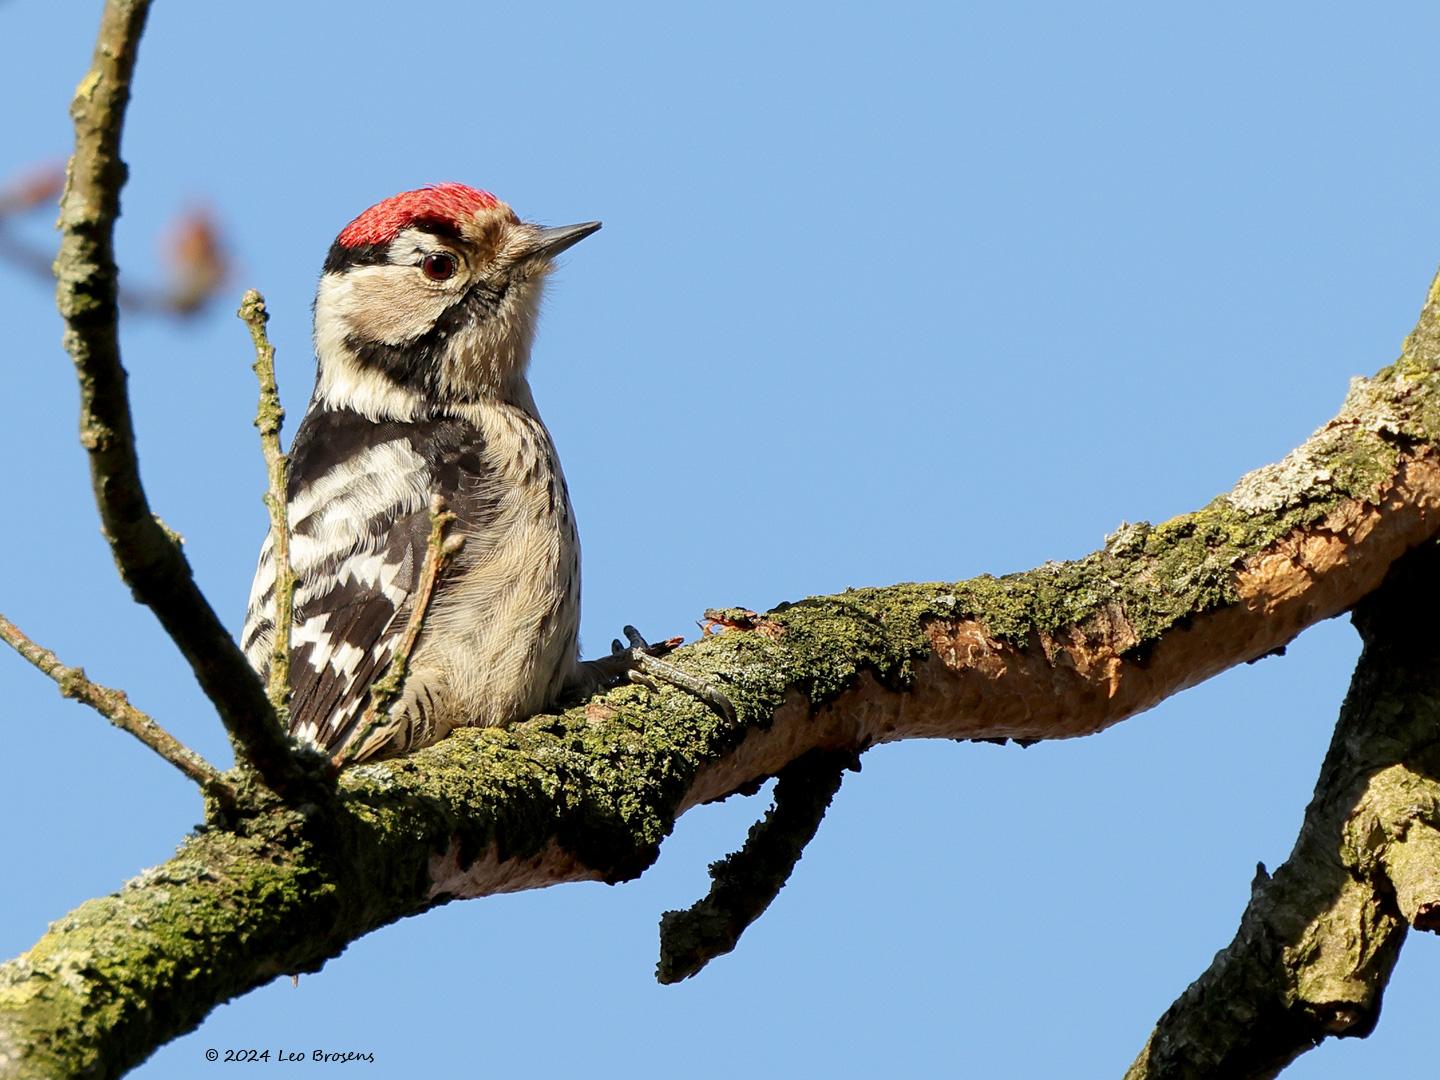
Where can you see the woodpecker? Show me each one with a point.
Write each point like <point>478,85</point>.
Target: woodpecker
<point>424,319</point>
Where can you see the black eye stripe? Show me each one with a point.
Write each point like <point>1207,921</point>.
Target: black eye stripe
<point>341,258</point>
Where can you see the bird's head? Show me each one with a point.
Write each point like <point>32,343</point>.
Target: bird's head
<point>429,299</point>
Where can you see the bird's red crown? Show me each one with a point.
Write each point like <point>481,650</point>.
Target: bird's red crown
<point>448,202</point>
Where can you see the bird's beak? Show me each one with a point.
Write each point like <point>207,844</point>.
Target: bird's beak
<point>550,242</point>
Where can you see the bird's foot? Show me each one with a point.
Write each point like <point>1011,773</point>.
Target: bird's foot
<point>639,662</point>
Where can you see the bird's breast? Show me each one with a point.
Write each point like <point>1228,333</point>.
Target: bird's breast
<point>507,620</point>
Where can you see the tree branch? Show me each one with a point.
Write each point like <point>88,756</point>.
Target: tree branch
<point>745,883</point>
<point>148,555</point>
<point>269,416</point>
<point>1318,940</point>
<point>1064,650</point>
<point>116,707</point>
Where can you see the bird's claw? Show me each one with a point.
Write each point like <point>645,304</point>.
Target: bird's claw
<point>644,666</point>
<point>638,644</point>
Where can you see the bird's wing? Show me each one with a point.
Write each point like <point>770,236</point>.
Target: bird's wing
<point>346,634</point>
<point>359,518</point>
<point>359,528</point>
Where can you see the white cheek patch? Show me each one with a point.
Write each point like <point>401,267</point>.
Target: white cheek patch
<point>386,303</point>
<point>394,304</point>
<point>344,383</point>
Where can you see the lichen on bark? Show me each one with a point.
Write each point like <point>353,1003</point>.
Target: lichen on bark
<point>295,867</point>
<point>591,793</point>
<point>1319,939</point>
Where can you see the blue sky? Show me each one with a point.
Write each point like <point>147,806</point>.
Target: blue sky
<point>885,292</point>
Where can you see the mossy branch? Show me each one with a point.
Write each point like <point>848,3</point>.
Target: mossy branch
<point>745,883</point>
<point>269,416</point>
<point>116,707</point>
<point>148,556</point>
<point>1063,650</point>
<point>1319,938</point>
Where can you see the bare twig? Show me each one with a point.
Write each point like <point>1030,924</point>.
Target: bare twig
<point>268,417</point>
<point>745,883</point>
<point>115,707</point>
<point>384,691</point>
<point>149,559</point>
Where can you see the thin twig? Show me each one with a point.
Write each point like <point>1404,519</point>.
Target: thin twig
<point>151,561</point>
<point>386,689</point>
<point>115,707</point>
<point>745,883</point>
<point>269,415</point>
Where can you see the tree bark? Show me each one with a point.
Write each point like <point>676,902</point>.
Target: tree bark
<point>1319,938</point>
<point>294,866</point>
<point>1066,649</point>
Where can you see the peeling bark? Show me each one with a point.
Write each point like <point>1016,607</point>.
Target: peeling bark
<point>1319,938</point>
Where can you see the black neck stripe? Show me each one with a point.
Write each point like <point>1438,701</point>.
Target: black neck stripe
<point>415,364</point>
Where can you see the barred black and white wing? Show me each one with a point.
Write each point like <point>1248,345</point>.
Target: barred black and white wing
<point>359,521</point>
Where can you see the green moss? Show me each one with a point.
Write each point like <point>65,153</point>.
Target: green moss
<point>160,953</point>
<point>285,889</point>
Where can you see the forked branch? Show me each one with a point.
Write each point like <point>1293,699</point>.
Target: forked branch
<point>1066,649</point>
<point>1319,938</point>
<point>148,555</point>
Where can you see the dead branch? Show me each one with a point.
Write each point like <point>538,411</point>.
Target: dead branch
<point>745,883</point>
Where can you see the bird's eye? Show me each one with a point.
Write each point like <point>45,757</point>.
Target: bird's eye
<point>438,267</point>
